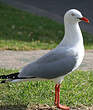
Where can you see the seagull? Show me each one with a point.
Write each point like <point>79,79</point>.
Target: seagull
<point>60,61</point>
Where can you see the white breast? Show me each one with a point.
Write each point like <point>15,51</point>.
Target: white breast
<point>80,55</point>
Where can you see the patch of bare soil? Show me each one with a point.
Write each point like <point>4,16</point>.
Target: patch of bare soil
<point>47,107</point>
<point>41,107</point>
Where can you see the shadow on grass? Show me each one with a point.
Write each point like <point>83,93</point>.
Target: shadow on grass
<point>13,107</point>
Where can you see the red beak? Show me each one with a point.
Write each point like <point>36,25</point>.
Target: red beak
<point>84,19</point>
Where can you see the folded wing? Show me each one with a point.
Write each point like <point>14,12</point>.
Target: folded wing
<point>57,62</point>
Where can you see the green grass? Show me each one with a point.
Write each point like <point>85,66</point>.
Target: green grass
<point>76,89</point>
<point>20,30</point>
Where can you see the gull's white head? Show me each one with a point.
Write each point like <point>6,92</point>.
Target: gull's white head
<point>74,16</point>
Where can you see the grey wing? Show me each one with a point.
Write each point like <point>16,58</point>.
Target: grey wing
<point>54,64</point>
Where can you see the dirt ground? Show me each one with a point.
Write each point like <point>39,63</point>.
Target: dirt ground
<point>17,59</point>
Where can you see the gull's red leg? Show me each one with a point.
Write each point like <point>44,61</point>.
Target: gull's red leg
<point>56,94</point>
<point>58,100</point>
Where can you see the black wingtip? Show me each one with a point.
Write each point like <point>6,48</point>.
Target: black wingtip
<point>3,77</point>
<point>10,76</point>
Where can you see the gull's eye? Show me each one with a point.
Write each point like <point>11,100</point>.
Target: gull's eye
<point>73,14</point>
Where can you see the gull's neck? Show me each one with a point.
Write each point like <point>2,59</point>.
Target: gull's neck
<point>73,35</point>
